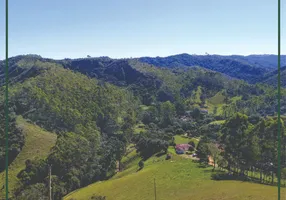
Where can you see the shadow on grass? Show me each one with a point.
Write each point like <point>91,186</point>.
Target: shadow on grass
<point>202,165</point>
<point>208,171</point>
<point>160,154</point>
<point>224,176</point>
<point>139,169</point>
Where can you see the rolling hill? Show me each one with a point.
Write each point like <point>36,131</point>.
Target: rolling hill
<point>247,68</point>
<point>92,109</point>
<point>272,77</point>
<point>176,179</point>
<point>38,144</point>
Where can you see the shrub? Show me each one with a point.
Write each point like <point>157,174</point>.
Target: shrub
<point>179,131</point>
<point>36,191</point>
<point>191,148</point>
<point>168,157</point>
<point>95,197</point>
<point>141,164</point>
<point>192,143</point>
<point>148,147</point>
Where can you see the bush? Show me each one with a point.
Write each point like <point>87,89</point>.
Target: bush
<point>187,125</point>
<point>207,120</point>
<point>94,197</point>
<point>148,147</point>
<point>141,164</point>
<point>191,148</point>
<point>36,191</point>
<point>218,118</point>
<point>169,129</point>
<point>168,157</point>
<point>179,131</point>
<point>192,143</point>
<point>177,125</point>
<point>254,119</point>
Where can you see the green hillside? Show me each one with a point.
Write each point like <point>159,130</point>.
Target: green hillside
<point>176,179</point>
<point>87,116</point>
<point>107,115</point>
<point>38,144</point>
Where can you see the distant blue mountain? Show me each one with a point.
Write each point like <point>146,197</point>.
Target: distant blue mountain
<point>266,61</point>
<point>248,68</point>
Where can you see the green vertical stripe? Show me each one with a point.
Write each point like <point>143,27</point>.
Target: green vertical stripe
<point>279,95</point>
<point>6,97</point>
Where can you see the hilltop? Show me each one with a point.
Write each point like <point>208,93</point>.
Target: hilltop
<point>272,77</point>
<point>247,68</point>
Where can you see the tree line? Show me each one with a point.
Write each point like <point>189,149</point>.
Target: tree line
<point>247,149</point>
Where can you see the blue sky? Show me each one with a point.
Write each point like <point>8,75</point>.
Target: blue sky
<point>132,28</point>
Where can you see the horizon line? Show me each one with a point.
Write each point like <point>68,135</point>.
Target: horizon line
<point>193,54</point>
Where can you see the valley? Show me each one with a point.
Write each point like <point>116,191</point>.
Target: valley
<point>110,126</point>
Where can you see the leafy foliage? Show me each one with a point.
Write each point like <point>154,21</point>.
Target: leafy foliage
<point>15,137</point>
<point>93,106</point>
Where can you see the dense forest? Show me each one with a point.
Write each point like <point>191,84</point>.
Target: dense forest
<point>99,106</point>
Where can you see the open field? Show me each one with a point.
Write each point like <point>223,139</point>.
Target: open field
<point>176,179</point>
<point>37,145</point>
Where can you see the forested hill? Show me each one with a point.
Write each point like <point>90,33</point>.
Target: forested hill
<point>23,67</point>
<point>252,68</point>
<point>271,77</point>
<point>247,68</point>
<point>265,61</point>
<point>97,107</point>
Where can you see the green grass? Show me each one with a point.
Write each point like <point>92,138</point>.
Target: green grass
<point>171,150</point>
<point>195,99</point>
<point>180,139</point>
<point>217,99</point>
<point>130,162</point>
<point>139,128</point>
<point>196,141</point>
<point>218,102</point>
<point>37,145</point>
<point>237,98</point>
<point>198,95</point>
<point>219,122</point>
<point>144,107</point>
<point>211,108</point>
<point>176,179</point>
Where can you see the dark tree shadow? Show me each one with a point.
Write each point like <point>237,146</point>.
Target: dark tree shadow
<point>139,169</point>
<point>226,176</point>
<point>160,154</point>
<point>203,165</point>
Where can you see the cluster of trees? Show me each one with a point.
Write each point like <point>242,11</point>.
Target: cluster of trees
<point>96,120</point>
<point>15,138</point>
<point>153,141</point>
<point>246,147</point>
<point>252,148</point>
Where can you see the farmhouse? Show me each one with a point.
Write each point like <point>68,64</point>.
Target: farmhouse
<point>181,148</point>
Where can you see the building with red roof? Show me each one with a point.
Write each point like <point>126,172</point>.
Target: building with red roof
<point>181,148</point>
